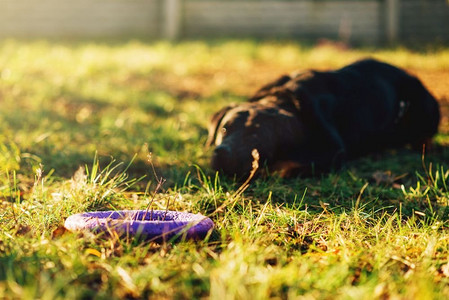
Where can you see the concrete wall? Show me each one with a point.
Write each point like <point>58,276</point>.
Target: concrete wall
<point>78,18</point>
<point>370,21</point>
<point>421,20</point>
<point>358,20</point>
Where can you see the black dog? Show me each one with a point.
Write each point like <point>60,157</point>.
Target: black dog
<point>316,120</point>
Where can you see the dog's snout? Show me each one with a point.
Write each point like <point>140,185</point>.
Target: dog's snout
<point>222,152</point>
<point>221,157</point>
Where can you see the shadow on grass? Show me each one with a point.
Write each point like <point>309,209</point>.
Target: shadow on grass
<point>397,181</point>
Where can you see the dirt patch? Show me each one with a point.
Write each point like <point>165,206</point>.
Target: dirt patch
<point>438,83</point>
<point>435,80</point>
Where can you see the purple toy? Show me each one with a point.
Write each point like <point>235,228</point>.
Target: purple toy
<point>156,225</point>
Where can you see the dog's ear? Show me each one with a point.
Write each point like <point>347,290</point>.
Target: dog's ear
<point>266,89</point>
<point>215,122</point>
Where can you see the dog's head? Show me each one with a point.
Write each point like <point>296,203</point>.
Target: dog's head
<point>237,130</point>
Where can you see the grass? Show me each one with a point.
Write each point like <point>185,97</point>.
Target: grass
<point>78,120</point>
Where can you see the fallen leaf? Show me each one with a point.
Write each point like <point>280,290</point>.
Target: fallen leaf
<point>383,177</point>
<point>23,229</point>
<point>445,270</point>
<point>91,251</point>
<point>58,232</point>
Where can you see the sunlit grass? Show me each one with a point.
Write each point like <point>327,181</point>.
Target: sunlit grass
<point>78,120</point>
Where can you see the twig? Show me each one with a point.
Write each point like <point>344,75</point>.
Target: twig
<point>160,183</point>
<point>245,185</point>
<point>166,209</point>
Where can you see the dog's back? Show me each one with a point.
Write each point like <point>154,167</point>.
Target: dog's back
<point>365,106</point>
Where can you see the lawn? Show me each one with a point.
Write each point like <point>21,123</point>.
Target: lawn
<point>82,124</point>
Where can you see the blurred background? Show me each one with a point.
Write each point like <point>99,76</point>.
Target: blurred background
<point>351,21</point>
<point>124,77</point>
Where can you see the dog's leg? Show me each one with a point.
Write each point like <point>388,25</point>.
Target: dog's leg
<point>287,168</point>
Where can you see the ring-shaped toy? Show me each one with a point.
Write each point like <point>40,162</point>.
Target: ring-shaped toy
<point>154,225</point>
